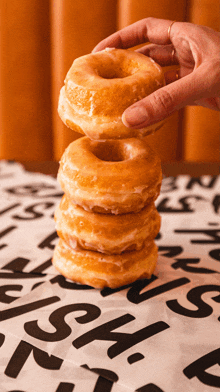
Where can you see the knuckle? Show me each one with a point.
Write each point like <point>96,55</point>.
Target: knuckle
<point>164,101</point>
<point>149,19</point>
<point>146,24</point>
<point>120,43</point>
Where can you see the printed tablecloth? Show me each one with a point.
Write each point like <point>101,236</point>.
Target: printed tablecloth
<point>157,335</point>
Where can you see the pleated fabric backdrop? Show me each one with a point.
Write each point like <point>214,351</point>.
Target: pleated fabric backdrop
<point>39,39</point>
<point>201,125</point>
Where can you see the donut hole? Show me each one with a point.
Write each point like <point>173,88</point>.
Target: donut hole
<point>110,151</point>
<point>115,70</point>
<point>113,73</point>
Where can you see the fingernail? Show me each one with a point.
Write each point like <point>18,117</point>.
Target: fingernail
<point>134,116</point>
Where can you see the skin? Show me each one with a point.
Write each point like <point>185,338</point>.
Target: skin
<point>194,49</point>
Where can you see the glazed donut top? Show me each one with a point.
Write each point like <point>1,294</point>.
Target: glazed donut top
<point>100,86</point>
<point>95,163</point>
<point>111,74</point>
<point>119,175</point>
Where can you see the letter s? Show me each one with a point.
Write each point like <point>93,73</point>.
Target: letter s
<point>194,296</point>
<point>57,320</point>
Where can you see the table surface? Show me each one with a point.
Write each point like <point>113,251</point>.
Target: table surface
<point>168,324</point>
<point>169,168</point>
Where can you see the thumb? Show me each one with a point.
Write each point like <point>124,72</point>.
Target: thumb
<point>166,100</point>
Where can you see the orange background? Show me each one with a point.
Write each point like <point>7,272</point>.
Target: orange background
<point>39,39</point>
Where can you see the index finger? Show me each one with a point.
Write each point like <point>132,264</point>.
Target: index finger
<point>146,30</point>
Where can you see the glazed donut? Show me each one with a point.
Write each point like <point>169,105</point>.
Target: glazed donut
<point>99,270</point>
<point>100,86</point>
<point>112,176</point>
<point>105,233</point>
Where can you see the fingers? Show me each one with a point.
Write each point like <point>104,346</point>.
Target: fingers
<point>145,30</point>
<point>166,100</point>
<point>164,55</point>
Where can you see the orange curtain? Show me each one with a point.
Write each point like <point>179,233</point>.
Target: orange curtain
<point>201,125</point>
<point>39,39</point>
<point>25,97</point>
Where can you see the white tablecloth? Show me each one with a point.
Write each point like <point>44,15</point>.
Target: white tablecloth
<point>157,335</point>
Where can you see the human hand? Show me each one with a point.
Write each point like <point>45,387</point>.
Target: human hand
<point>196,49</point>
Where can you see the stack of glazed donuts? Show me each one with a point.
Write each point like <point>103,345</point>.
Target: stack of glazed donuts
<point>107,220</point>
